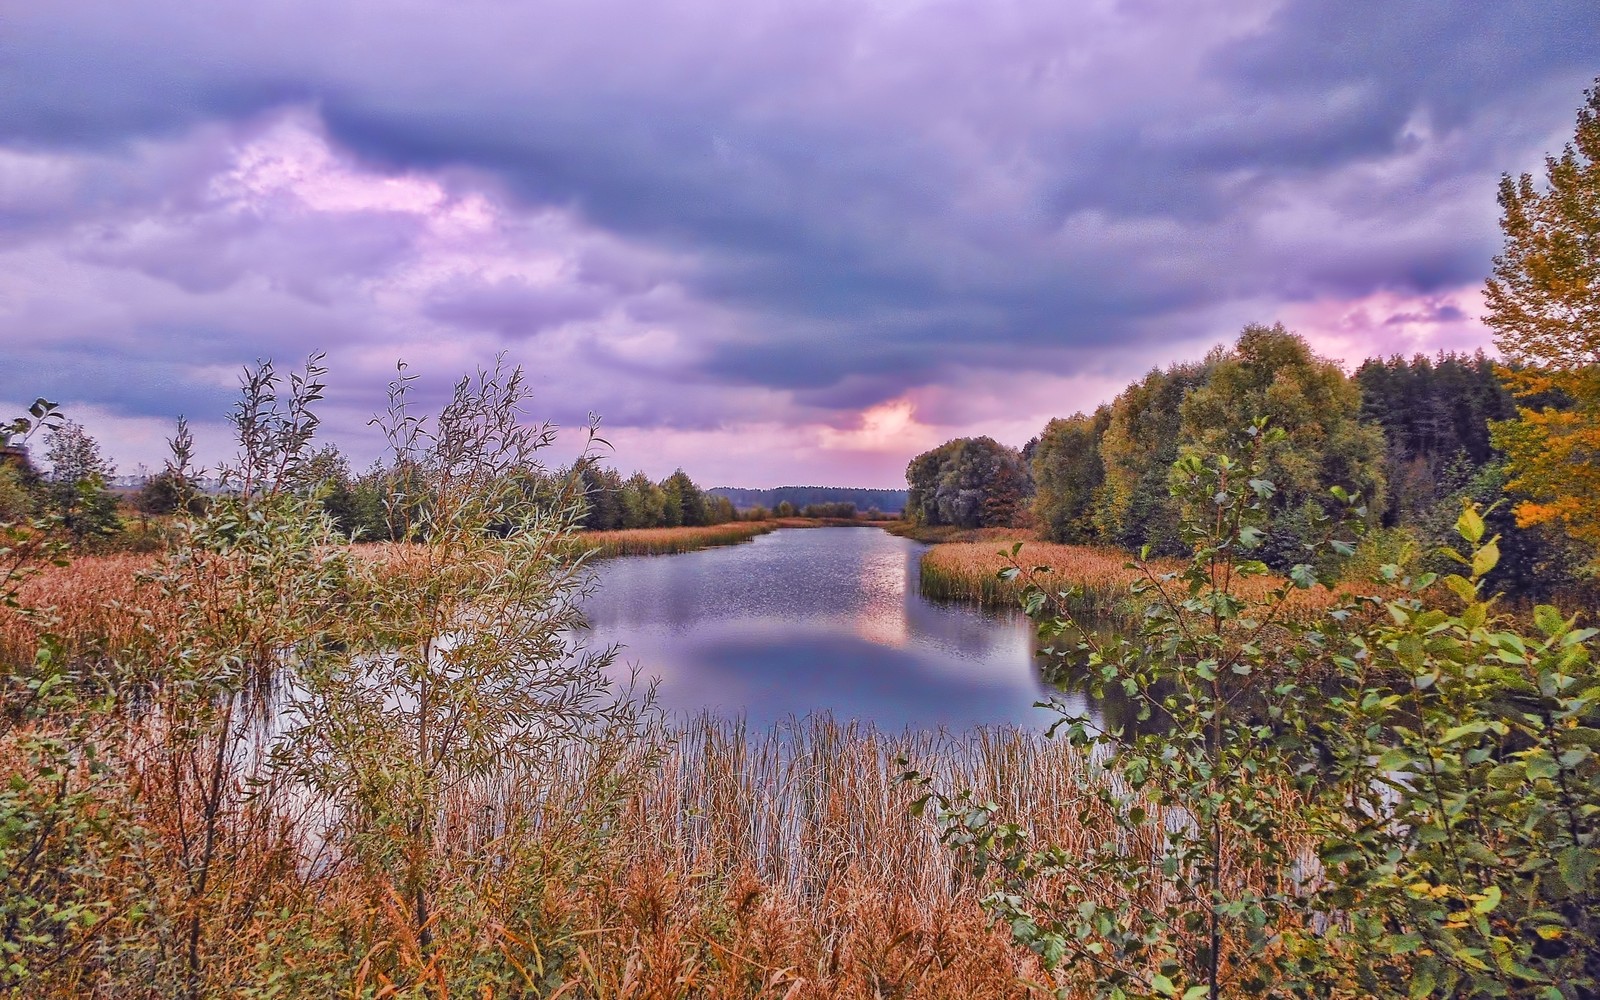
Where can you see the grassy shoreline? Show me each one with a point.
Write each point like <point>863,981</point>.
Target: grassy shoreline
<point>673,541</point>
<point>669,541</point>
<point>1098,579</point>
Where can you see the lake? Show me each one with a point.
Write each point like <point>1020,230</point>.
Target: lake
<point>815,619</point>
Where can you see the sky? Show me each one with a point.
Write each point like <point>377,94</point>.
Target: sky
<point>767,241</point>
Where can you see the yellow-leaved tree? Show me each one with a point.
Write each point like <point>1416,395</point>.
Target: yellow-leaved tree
<point>1544,305</point>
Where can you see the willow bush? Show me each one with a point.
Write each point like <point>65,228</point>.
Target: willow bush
<point>314,770</point>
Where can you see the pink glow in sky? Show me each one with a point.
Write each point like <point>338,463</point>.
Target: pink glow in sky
<point>770,241</point>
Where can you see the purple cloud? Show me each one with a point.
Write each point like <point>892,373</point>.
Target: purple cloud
<point>758,226</point>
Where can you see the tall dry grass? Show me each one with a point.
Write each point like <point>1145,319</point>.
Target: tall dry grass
<point>786,862</point>
<point>669,541</point>
<point>967,571</point>
<point>732,863</point>
<point>94,606</point>
<point>1100,577</point>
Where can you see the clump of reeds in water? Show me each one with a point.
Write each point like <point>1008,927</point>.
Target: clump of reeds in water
<point>1098,580</point>
<point>968,571</point>
<point>787,861</point>
<point>668,541</point>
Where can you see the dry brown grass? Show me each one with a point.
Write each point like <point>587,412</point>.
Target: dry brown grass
<point>94,606</point>
<point>967,571</point>
<point>786,862</point>
<point>942,533</point>
<point>668,541</point>
<point>778,863</point>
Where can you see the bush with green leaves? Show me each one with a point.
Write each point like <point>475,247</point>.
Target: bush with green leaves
<point>1396,799</point>
<point>76,489</point>
<point>311,769</point>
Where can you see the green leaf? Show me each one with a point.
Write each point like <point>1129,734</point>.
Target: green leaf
<point>1490,900</point>
<point>1410,652</point>
<point>1549,621</point>
<point>1486,558</point>
<point>1541,766</point>
<point>1461,587</point>
<point>1470,524</point>
<point>1577,865</point>
<point>1506,776</point>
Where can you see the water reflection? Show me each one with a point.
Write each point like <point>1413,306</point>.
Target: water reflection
<point>815,619</point>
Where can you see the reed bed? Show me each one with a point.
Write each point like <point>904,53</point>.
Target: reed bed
<point>1098,577</point>
<point>716,861</point>
<point>939,534</point>
<point>670,541</point>
<point>94,606</point>
<point>785,862</point>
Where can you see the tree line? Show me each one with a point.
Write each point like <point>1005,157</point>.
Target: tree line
<point>73,488</point>
<point>636,502</point>
<point>1413,437</point>
<point>801,497</point>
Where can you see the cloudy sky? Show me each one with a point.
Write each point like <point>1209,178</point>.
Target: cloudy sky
<point>771,241</point>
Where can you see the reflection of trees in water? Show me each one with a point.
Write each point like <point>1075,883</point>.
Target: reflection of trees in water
<point>813,619</point>
<point>1113,711</point>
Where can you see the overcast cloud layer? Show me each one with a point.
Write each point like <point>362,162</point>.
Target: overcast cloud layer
<point>768,241</point>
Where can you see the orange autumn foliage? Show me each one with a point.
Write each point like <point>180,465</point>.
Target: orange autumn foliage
<point>1544,305</point>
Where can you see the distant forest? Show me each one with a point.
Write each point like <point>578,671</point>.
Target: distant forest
<point>800,497</point>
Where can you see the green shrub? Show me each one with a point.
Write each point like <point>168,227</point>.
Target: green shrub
<point>1399,800</point>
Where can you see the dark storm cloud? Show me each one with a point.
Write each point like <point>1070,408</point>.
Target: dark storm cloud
<point>1447,58</point>
<point>139,386</point>
<point>512,307</point>
<point>841,201</point>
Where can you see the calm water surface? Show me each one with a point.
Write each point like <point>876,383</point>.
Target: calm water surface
<point>814,619</point>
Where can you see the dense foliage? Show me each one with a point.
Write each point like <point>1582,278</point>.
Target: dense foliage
<point>1416,437</point>
<point>305,769</point>
<point>1068,474</point>
<point>636,502</point>
<point>1544,305</point>
<point>1104,478</point>
<point>969,483</point>
<point>1398,800</point>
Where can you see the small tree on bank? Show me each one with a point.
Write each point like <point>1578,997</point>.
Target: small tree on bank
<point>76,486</point>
